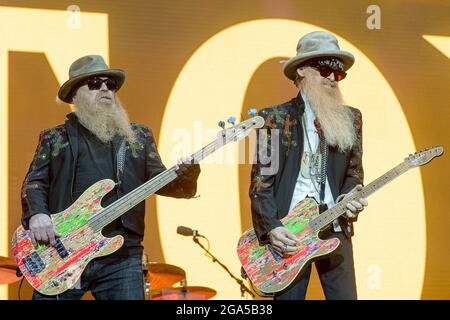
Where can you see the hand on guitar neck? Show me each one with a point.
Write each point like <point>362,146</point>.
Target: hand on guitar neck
<point>284,242</point>
<point>356,206</point>
<point>187,169</point>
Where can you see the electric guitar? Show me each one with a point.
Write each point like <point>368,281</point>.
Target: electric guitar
<point>52,270</point>
<point>271,273</point>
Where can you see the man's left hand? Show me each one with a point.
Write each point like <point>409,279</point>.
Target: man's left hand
<point>187,169</point>
<point>356,206</point>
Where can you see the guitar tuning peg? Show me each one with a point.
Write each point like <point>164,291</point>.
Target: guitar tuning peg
<point>231,120</point>
<point>252,112</point>
<point>222,124</point>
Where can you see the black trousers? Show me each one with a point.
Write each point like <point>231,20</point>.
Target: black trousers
<point>336,273</point>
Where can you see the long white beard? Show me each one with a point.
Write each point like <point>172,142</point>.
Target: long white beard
<point>336,120</point>
<point>104,119</point>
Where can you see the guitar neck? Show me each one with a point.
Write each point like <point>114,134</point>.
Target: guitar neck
<point>340,209</point>
<point>122,205</point>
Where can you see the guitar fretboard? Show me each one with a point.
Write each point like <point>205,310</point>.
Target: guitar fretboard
<point>340,209</point>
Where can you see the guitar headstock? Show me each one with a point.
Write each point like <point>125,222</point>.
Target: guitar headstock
<point>424,156</point>
<point>240,130</point>
<point>226,135</point>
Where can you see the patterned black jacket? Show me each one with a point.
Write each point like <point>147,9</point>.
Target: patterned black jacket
<point>271,194</point>
<point>48,185</point>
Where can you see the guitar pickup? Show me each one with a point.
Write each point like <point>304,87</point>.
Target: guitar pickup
<point>59,247</point>
<point>275,255</point>
<point>33,263</point>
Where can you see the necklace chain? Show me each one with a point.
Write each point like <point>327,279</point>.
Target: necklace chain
<point>312,153</point>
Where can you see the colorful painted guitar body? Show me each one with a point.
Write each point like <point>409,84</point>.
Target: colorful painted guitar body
<point>271,273</point>
<point>268,271</point>
<point>52,270</point>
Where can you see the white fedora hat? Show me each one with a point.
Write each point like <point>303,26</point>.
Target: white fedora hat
<point>313,45</point>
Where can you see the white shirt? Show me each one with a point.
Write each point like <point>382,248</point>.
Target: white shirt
<point>304,186</point>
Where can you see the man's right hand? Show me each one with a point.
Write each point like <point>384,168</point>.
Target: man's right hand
<point>284,242</point>
<point>42,229</point>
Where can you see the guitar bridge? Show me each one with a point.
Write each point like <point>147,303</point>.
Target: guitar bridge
<point>33,263</point>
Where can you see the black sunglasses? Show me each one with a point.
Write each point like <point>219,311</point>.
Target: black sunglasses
<point>325,72</point>
<point>96,83</point>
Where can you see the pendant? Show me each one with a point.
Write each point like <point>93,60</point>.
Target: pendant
<point>310,166</point>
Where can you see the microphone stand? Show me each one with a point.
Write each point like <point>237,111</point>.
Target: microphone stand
<point>243,287</point>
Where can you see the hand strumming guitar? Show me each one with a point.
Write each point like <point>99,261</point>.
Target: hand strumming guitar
<point>42,229</point>
<point>284,242</point>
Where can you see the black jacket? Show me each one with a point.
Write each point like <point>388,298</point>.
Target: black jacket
<point>271,194</point>
<point>48,185</point>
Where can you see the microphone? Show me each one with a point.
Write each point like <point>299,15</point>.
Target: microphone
<point>185,231</point>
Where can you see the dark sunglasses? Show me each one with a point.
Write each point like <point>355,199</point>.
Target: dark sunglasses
<point>96,83</point>
<point>325,72</point>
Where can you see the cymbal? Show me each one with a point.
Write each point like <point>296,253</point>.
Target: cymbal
<point>8,271</point>
<point>183,293</point>
<point>163,275</point>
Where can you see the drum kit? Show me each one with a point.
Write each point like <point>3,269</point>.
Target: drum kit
<point>160,280</point>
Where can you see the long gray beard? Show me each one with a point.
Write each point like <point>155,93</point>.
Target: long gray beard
<point>105,120</point>
<point>336,120</point>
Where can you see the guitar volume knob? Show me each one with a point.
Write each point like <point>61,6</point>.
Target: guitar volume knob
<point>55,283</point>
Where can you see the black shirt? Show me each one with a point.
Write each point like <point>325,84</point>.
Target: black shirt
<point>96,161</point>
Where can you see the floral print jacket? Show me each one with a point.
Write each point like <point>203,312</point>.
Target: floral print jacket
<point>48,185</point>
<point>281,140</point>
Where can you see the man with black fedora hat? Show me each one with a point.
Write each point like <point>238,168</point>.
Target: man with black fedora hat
<point>319,156</point>
<point>97,141</point>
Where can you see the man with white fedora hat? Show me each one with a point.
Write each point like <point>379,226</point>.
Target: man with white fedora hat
<point>97,141</point>
<point>319,156</point>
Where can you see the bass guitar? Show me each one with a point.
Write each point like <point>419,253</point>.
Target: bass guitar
<point>271,273</point>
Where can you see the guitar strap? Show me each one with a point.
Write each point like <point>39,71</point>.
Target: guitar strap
<point>323,172</point>
<point>120,162</point>
<point>323,167</point>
